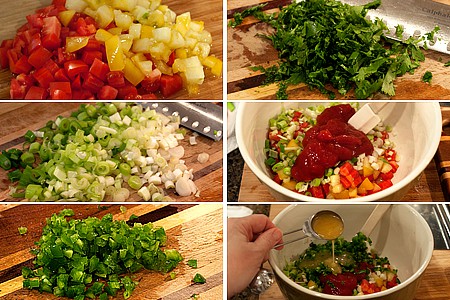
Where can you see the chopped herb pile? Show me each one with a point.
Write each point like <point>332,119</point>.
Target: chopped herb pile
<point>427,77</point>
<point>90,257</point>
<point>322,42</point>
<point>356,270</point>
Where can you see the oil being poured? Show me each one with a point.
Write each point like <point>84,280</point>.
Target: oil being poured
<point>329,226</point>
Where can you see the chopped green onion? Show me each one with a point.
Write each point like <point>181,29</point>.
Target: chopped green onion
<point>22,230</point>
<point>5,163</point>
<point>135,182</point>
<point>198,278</point>
<point>30,136</point>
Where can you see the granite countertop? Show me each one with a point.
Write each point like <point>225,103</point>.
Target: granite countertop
<point>235,168</point>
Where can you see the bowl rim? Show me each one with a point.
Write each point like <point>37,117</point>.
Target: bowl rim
<point>409,280</point>
<point>435,139</point>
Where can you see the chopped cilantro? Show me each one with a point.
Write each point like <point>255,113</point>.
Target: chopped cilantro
<point>427,77</point>
<point>198,278</point>
<point>132,217</point>
<point>192,263</point>
<point>22,230</point>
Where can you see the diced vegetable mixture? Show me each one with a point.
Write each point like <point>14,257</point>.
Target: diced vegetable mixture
<point>101,152</point>
<point>121,49</point>
<point>94,257</point>
<point>361,175</point>
<point>356,270</point>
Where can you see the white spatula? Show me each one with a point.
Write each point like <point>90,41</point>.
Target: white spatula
<point>366,118</point>
<point>374,218</point>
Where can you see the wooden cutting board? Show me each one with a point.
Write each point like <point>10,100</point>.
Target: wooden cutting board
<point>195,231</point>
<point>245,49</point>
<point>13,13</point>
<point>17,118</point>
<point>435,283</point>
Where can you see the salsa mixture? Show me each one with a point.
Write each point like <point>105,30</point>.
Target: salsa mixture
<point>315,152</point>
<point>355,269</point>
<point>81,49</point>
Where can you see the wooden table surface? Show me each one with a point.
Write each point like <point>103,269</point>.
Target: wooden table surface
<point>433,184</point>
<point>13,13</point>
<point>17,118</point>
<point>435,283</point>
<point>246,49</point>
<point>196,231</point>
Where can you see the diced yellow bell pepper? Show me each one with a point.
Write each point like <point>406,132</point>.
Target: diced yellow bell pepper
<point>282,175</point>
<point>132,73</point>
<point>155,18</point>
<point>215,65</point>
<point>366,184</point>
<point>122,20</point>
<point>102,35</point>
<point>66,16</point>
<point>126,41</point>
<point>76,43</point>
<point>290,185</point>
<point>146,31</point>
<point>182,23</point>
<point>197,26</point>
<point>162,8</point>
<point>94,4</point>
<point>342,195</point>
<point>114,54</point>
<point>181,53</point>
<point>115,30</point>
<point>352,192</point>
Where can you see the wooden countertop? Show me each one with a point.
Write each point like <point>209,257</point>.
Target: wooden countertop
<point>13,14</point>
<point>435,283</point>
<point>246,49</point>
<point>196,231</point>
<point>16,118</point>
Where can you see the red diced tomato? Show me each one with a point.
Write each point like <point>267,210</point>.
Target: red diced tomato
<point>76,83</point>
<point>92,83</point>
<point>36,93</point>
<point>35,42</point>
<point>149,96</point>
<point>60,90</point>
<point>385,184</point>
<point>75,67</point>
<point>387,176</point>
<point>35,20</point>
<point>88,56</point>
<point>128,91</point>
<point>274,136</point>
<point>3,57</point>
<point>392,282</point>
<point>317,192</point>
<point>277,179</point>
<point>22,66</point>
<point>25,80</point>
<point>83,28</point>
<point>93,45</point>
<point>394,165</point>
<point>43,76</point>
<point>171,59</point>
<point>39,57</point>
<point>170,84</point>
<point>59,3</point>
<point>116,79</point>
<point>7,44</point>
<point>51,32</point>
<point>326,188</point>
<point>107,92</point>
<point>152,83</point>
<point>60,75</point>
<point>17,91</point>
<point>13,56</point>
<point>99,69</point>
<point>345,182</point>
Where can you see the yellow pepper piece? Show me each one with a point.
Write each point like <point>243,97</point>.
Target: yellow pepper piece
<point>132,73</point>
<point>76,43</point>
<point>114,53</point>
<point>146,31</point>
<point>366,184</point>
<point>66,16</point>
<point>102,35</point>
<point>181,53</point>
<point>290,185</point>
<point>215,65</point>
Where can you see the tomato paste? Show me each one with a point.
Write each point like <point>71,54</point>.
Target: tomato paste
<point>331,140</point>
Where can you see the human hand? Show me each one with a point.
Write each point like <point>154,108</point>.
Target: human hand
<point>249,241</point>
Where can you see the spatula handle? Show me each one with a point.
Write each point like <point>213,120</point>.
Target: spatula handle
<point>374,218</point>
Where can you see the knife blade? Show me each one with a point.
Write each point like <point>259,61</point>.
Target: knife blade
<point>205,118</point>
<point>418,17</point>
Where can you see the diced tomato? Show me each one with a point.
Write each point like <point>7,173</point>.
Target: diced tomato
<point>35,20</point>
<point>275,136</point>
<point>99,69</point>
<point>277,179</point>
<point>13,56</point>
<point>93,45</point>
<point>25,80</point>
<point>345,182</point>
<point>392,282</point>
<point>170,84</point>
<point>59,3</point>
<point>387,176</point>
<point>81,94</point>
<point>75,67</point>
<point>4,57</point>
<point>36,93</point>
<point>17,91</point>
<point>171,59</point>
<point>107,92</point>
<point>326,188</point>
<point>152,83</point>
<point>60,75</point>
<point>7,44</point>
<point>127,91</point>
<point>76,83</point>
<point>22,66</point>
<point>35,42</point>
<point>60,90</point>
<point>51,32</point>
<point>116,79</point>
<point>43,76</point>
<point>394,165</point>
<point>149,96</point>
<point>83,28</point>
<point>92,83</point>
<point>88,56</point>
<point>385,184</point>
<point>39,57</point>
<point>317,192</point>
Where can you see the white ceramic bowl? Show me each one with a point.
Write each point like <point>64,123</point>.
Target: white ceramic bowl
<point>417,128</point>
<point>402,235</point>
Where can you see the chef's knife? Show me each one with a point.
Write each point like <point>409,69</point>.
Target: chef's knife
<point>418,17</point>
<point>205,118</point>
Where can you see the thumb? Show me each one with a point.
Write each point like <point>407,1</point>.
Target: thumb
<point>268,239</point>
